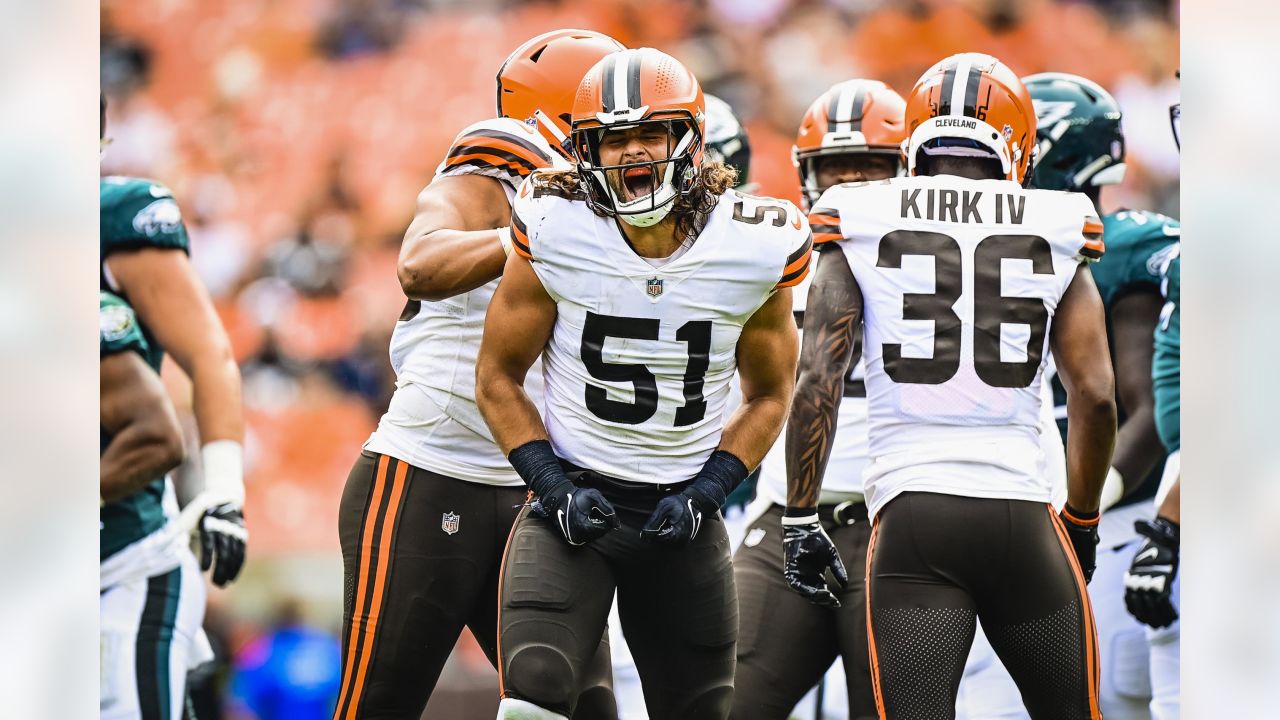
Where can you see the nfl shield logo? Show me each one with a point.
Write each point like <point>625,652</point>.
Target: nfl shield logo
<point>449,522</point>
<point>654,287</point>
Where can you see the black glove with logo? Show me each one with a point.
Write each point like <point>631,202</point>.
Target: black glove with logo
<point>1082,530</point>
<point>1149,580</point>
<point>807,553</point>
<point>581,514</point>
<point>677,518</point>
<point>223,538</point>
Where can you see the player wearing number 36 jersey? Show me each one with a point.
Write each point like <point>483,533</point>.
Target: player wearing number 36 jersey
<point>643,282</point>
<point>962,281</point>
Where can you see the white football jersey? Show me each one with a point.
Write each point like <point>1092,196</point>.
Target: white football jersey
<point>433,421</point>
<point>960,280</point>
<point>640,360</point>
<point>843,478</point>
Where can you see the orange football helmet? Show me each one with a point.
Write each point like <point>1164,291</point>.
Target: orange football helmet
<point>537,82</point>
<point>972,102</point>
<point>854,116</point>
<point>627,89</point>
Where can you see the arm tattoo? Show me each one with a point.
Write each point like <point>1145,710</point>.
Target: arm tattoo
<point>832,317</point>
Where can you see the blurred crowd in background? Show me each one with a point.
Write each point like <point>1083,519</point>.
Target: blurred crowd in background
<point>296,135</point>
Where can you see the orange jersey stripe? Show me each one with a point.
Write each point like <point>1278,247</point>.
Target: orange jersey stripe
<point>479,144</point>
<point>1086,609</point>
<point>366,545</point>
<point>871,636</point>
<point>816,219</point>
<point>519,239</point>
<point>823,237</point>
<point>473,143</point>
<point>379,585</point>
<point>491,160</point>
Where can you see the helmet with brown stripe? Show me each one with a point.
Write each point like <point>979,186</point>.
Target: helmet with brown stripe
<point>537,82</point>
<point>971,105</point>
<point>862,117</point>
<point>639,89</point>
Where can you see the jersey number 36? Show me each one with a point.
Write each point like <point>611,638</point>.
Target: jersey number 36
<point>990,308</point>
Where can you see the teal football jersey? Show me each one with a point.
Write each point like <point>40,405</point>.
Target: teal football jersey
<point>136,214</point>
<point>133,518</point>
<point>1138,244</point>
<point>1166,365</point>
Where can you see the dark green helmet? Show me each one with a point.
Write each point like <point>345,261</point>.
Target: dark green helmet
<point>1078,132</point>
<point>726,138</point>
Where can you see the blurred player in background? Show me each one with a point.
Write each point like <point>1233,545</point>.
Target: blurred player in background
<point>646,281</point>
<point>955,477</point>
<point>144,259</point>
<point>851,133</point>
<point>1151,582</point>
<point>430,501</point>
<point>726,142</point>
<point>1081,149</point>
<point>152,599</point>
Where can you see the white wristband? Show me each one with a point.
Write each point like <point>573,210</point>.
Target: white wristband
<point>1112,490</point>
<point>223,462</point>
<point>504,237</point>
<point>806,520</point>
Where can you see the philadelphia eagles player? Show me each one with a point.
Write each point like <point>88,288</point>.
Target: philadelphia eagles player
<point>1150,585</point>
<point>143,259</point>
<point>1081,149</point>
<point>151,599</point>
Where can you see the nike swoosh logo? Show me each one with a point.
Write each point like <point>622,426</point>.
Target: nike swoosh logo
<point>1149,552</point>
<point>796,224</point>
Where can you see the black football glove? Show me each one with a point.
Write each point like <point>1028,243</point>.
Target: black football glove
<point>674,522</point>
<point>1149,580</point>
<point>580,514</point>
<point>677,518</point>
<point>222,542</point>
<point>807,553</point>
<point>1082,530</point>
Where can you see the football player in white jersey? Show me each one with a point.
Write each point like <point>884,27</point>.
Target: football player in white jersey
<point>430,501</point>
<point>850,133</point>
<point>960,280</point>
<point>644,282</point>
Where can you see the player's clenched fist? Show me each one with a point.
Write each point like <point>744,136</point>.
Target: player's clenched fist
<point>581,514</point>
<point>1082,530</point>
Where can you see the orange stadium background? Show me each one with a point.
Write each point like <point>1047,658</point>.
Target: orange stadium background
<point>296,135</point>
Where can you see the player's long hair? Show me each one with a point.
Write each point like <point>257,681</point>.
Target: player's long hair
<point>690,209</point>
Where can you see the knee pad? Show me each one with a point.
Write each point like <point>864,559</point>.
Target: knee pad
<point>543,675</point>
<point>513,709</point>
<point>596,703</point>
<point>711,704</point>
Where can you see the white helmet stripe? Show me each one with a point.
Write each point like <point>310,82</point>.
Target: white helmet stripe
<point>844,109</point>
<point>621,78</point>
<point>963,68</point>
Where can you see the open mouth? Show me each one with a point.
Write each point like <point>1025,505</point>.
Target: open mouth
<point>637,182</point>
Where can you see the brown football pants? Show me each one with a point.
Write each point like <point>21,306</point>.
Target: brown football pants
<point>421,554</point>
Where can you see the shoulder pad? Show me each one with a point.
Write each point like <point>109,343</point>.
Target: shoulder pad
<point>118,329</point>
<point>138,213</point>
<point>500,147</point>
